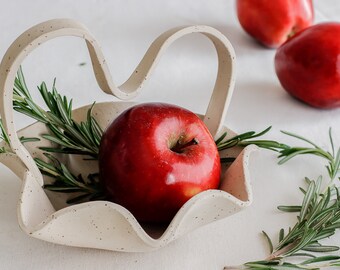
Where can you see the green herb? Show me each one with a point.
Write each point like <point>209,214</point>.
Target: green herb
<point>285,152</point>
<point>70,137</point>
<point>319,218</point>
<point>66,182</point>
<point>245,139</point>
<point>332,157</point>
<point>311,264</point>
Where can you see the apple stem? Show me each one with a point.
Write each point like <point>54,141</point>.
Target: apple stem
<point>292,32</point>
<point>179,146</point>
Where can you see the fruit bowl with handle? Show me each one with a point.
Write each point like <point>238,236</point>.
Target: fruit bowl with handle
<point>104,224</point>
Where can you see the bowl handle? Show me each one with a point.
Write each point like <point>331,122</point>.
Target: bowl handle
<point>225,80</point>
<point>45,31</point>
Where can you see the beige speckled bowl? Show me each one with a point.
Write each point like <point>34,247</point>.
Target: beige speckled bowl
<point>102,224</point>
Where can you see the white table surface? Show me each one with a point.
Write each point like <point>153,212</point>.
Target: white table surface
<point>125,29</point>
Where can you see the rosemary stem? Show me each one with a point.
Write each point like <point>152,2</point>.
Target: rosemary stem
<point>278,253</point>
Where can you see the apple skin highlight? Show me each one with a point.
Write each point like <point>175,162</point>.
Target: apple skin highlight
<point>154,157</point>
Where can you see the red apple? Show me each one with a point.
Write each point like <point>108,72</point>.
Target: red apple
<point>272,22</point>
<point>154,157</point>
<point>308,65</point>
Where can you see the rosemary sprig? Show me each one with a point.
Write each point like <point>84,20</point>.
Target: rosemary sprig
<point>309,264</point>
<point>71,137</point>
<point>66,182</point>
<point>245,139</point>
<point>332,157</point>
<point>285,151</point>
<point>319,218</point>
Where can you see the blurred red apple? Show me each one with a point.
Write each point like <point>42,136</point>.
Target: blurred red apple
<point>154,157</point>
<point>308,65</point>
<point>272,22</point>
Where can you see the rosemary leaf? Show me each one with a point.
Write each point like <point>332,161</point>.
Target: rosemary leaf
<point>270,243</point>
<point>21,84</point>
<point>62,189</point>
<point>307,199</point>
<point>31,114</point>
<point>291,209</point>
<point>26,139</point>
<point>321,248</point>
<point>321,259</point>
<point>281,235</point>
<point>301,138</point>
<point>221,138</point>
<point>59,141</point>
<point>4,136</point>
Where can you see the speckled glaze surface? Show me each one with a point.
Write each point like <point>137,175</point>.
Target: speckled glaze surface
<point>102,224</point>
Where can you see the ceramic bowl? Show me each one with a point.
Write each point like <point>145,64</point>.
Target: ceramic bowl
<point>102,224</point>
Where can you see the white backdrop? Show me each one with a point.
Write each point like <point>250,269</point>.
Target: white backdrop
<point>185,76</point>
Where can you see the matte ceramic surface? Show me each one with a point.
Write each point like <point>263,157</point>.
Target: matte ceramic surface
<point>102,224</point>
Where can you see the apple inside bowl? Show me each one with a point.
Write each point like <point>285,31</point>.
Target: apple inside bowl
<point>107,225</point>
